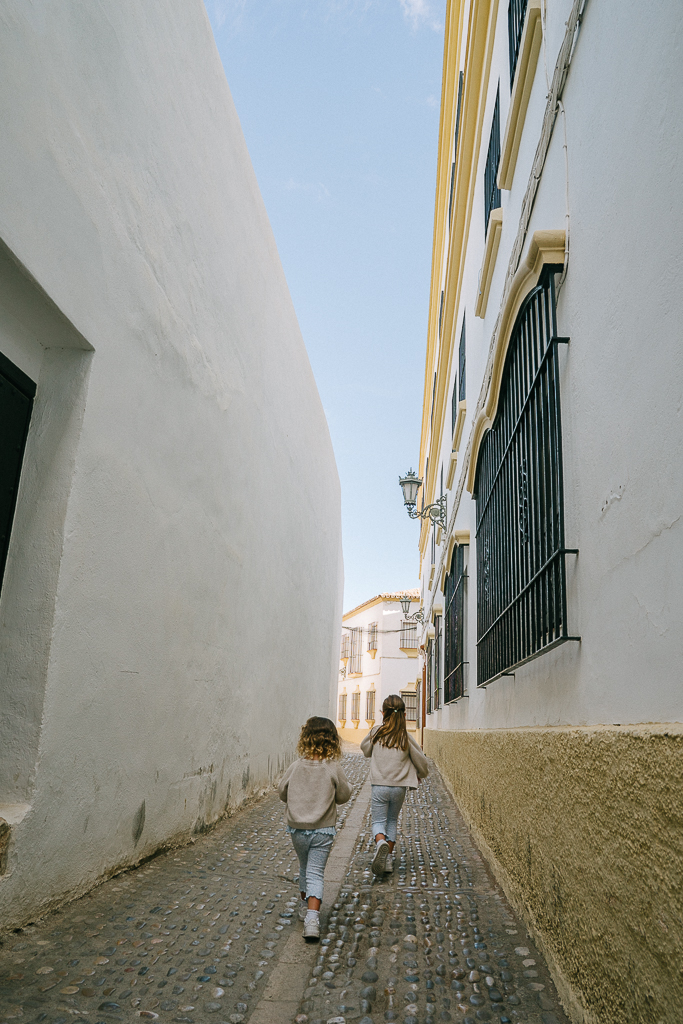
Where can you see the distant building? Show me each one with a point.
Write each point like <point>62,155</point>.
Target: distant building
<point>552,429</point>
<point>378,657</point>
<point>170,546</point>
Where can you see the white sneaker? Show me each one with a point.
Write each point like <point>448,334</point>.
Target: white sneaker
<point>303,910</point>
<point>312,926</point>
<point>389,866</point>
<point>380,858</point>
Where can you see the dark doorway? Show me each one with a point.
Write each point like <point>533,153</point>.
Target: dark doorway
<point>17,392</point>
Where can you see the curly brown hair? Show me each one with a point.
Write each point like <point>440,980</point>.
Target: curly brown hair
<point>319,738</point>
<point>393,732</point>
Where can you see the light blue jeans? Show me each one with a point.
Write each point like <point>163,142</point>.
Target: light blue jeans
<point>312,849</point>
<point>387,802</point>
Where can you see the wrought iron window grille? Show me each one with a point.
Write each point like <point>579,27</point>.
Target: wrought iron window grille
<point>342,707</point>
<point>521,573</point>
<point>454,627</point>
<point>356,658</point>
<point>491,190</point>
<point>429,656</point>
<point>355,707</point>
<point>408,637</point>
<point>372,636</point>
<point>409,698</point>
<point>462,356</point>
<point>437,662</point>
<point>516,16</point>
<point>370,706</point>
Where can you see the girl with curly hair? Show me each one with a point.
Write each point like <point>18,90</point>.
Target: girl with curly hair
<point>397,764</point>
<point>312,787</point>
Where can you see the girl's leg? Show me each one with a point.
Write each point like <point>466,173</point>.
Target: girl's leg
<point>394,805</point>
<point>379,808</point>
<point>300,844</point>
<point>318,853</point>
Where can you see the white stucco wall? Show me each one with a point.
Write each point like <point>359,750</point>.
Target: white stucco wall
<point>622,373</point>
<point>170,611</point>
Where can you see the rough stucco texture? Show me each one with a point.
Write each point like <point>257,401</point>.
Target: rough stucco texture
<point>585,826</point>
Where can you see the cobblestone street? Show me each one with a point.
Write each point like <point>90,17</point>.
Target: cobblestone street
<point>210,933</point>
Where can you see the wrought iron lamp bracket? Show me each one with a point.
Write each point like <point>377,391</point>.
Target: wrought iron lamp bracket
<point>436,512</point>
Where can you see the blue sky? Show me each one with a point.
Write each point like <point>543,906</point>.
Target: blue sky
<point>339,103</point>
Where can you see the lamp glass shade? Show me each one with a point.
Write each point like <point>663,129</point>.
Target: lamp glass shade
<point>405,605</point>
<point>410,485</point>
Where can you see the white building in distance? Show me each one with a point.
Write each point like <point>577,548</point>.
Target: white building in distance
<point>552,437</point>
<point>165,464</point>
<point>379,649</point>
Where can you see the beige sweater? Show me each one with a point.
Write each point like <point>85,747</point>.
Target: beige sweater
<point>312,790</point>
<point>391,766</point>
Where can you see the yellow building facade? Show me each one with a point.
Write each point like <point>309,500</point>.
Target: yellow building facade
<point>553,589</point>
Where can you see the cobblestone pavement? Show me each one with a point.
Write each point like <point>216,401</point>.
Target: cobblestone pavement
<point>434,941</point>
<point>194,935</point>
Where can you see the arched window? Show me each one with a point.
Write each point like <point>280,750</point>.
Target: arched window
<point>454,627</point>
<point>521,582</point>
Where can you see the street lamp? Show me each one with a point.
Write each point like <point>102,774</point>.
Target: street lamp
<point>436,512</point>
<point>417,616</point>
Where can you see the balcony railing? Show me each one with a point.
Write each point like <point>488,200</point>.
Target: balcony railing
<point>491,190</point>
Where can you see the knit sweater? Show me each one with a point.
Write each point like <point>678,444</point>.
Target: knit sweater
<point>312,790</point>
<point>391,766</point>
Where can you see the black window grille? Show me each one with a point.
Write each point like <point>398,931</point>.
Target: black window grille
<point>370,706</point>
<point>355,707</point>
<point>410,700</point>
<point>372,636</point>
<point>345,646</point>
<point>491,190</point>
<point>454,405</point>
<point>429,665</point>
<point>356,658</point>
<point>454,627</point>
<point>516,15</point>
<point>440,314</point>
<point>342,707</point>
<point>455,147</point>
<point>408,636</point>
<point>521,585</point>
<point>433,545</point>
<point>437,662</point>
<point>462,355</point>
<point>17,392</point>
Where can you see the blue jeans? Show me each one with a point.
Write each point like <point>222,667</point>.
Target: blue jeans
<point>312,850</point>
<point>387,802</point>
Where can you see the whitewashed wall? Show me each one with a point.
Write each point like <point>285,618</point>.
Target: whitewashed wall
<point>170,611</point>
<point>622,382</point>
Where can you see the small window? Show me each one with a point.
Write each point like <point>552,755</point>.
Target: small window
<point>356,657</point>
<point>17,392</point>
<point>408,641</point>
<point>437,662</point>
<point>454,627</point>
<point>410,700</point>
<point>491,190</point>
<point>516,15</point>
<point>342,707</point>
<point>372,636</point>
<point>355,707</point>
<point>345,646</point>
<point>370,706</point>
<point>462,353</point>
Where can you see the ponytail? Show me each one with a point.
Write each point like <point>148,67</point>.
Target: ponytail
<point>393,732</point>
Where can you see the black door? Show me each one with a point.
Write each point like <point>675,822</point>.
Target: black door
<point>16,402</point>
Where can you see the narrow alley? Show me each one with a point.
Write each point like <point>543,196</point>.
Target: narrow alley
<point>210,932</point>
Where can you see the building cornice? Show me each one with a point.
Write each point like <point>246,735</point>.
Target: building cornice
<point>392,597</point>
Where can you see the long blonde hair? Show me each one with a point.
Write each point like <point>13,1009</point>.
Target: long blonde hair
<point>392,732</point>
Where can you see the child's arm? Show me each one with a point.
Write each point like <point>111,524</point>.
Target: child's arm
<point>284,783</point>
<point>366,744</point>
<point>418,759</point>
<point>342,787</point>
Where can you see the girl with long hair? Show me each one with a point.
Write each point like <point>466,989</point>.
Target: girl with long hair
<point>312,787</point>
<point>397,764</point>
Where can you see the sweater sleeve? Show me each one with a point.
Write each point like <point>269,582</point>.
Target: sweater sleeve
<point>366,744</point>
<point>343,789</point>
<point>418,759</point>
<point>284,782</point>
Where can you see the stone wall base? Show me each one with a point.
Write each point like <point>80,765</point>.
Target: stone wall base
<point>584,829</point>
